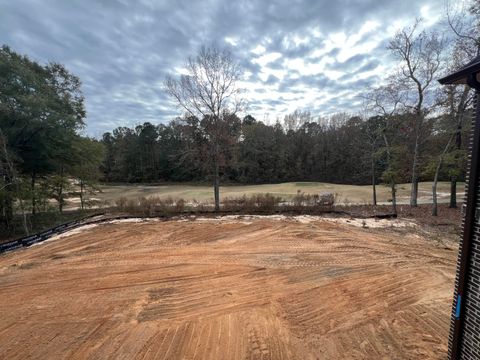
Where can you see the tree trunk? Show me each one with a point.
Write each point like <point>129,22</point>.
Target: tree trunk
<point>414,185</point>
<point>33,194</point>
<point>10,186</point>
<point>60,199</point>
<point>24,217</point>
<point>453,179</point>
<point>453,192</point>
<point>81,194</point>
<point>434,192</point>
<point>374,190</point>
<point>416,152</point>
<point>437,172</point>
<point>216,186</point>
<point>392,183</point>
<point>416,189</point>
<point>394,197</point>
<point>60,192</point>
<point>325,178</point>
<point>9,207</point>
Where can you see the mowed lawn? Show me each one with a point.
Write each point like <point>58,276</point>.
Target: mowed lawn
<point>346,194</point>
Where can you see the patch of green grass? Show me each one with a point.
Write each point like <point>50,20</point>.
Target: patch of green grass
<point>309,184</point>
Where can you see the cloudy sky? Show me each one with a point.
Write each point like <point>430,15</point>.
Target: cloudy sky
<point>317,55</point>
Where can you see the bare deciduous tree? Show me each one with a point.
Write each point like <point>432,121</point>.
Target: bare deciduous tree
<point>385,101</point>
<point>373,137</point>
<point>455,99</point>
<point>209,90</point>
<point>419,54</point>
<point>464,19</point>
<point>457,103</point>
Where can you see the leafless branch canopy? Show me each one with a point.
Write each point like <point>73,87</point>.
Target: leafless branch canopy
<point>420,55</point>
<point>386,100</point>
<point>464,19</point>
<point>210,86</point>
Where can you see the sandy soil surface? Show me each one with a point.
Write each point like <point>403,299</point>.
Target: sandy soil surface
<point>252,288</point>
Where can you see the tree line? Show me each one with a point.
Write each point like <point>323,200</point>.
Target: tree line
<point>342,149</point>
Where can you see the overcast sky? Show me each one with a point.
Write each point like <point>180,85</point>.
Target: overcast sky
<point>317,55</point>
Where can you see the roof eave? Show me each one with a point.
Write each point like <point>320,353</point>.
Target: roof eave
<point>461,75</point>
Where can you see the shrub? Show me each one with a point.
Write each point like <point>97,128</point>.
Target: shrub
<point>180,205</point>
<point>298,199</point>
<point>131,206</point>
<point>150,206</point>
<point>267,202</point>
<point>145,206</point>
<point>327,199</point>
<point>121,203</point>
<point>254,203</point>
<point>234,204</point>
<point>315,202</point>
<point>302,200</point>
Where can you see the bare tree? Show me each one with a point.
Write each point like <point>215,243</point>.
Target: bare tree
<point>385,101</point>
<point>372,136</point>
<point>464,19</point>
<point>419,54</point>
<point>455,99</point>
<point>457,112</point>
<point>209,90</point>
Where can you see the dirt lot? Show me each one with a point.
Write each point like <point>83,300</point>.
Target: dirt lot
<point>251,288</point>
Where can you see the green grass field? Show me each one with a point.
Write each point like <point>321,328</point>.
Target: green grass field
<point>349,194</point>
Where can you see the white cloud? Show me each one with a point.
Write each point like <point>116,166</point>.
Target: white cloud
<point>303,55</point>
<point>267,58</point>
<point>258,50</point>
<point>231,40</point>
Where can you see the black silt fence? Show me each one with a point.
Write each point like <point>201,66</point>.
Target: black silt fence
<point>46,234</point>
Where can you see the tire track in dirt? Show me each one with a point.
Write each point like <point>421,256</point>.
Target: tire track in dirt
<point>261,289</point>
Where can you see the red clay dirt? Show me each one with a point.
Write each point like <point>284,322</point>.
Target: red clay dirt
<point>235,289</point>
